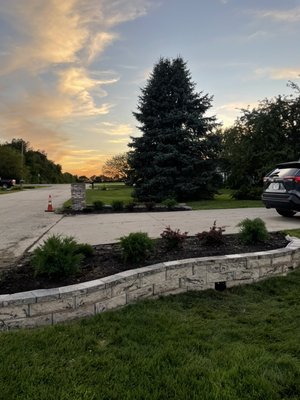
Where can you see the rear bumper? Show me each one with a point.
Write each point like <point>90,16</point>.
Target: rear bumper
<point>284,201</point>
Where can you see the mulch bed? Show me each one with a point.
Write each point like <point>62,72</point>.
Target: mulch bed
<point>107,261</point>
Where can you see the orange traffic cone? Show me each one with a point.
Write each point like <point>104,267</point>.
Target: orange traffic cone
<point>49,208</point>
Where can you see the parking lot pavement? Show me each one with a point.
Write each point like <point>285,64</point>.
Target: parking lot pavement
<point>108,228</point>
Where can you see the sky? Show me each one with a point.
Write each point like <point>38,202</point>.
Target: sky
<point>71,71</point>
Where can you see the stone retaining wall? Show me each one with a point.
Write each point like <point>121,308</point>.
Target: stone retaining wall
<point>52,306</point>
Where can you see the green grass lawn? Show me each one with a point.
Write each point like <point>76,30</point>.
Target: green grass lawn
<point>236,345</point>
<point>118,191</point>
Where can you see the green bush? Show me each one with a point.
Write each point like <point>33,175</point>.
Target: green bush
<point>85,249</point>
<point>253,231</point>
<point>169,203</point>
<point>173,239</point>
<point>58,256</point>
<point>136,246</point>
<point>117,205</point>
<point>98,205</point>
<point>246,192</point>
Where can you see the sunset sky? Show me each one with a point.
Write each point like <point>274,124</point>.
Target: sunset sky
<point>71,70</point>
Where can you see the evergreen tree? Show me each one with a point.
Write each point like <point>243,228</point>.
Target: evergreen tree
<point>175,155</point>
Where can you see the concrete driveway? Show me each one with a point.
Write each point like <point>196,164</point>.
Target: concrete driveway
<point>107,228</point>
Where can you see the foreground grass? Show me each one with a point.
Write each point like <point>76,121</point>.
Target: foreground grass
<point>122,192</point>
<point>239,344</point>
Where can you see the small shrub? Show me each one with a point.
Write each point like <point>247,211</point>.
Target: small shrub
<point>169,203</point>
<point>253,231</point>
<point>173,239</point>
<point>98,205</point>
<point>58,256</point>
<point>213,237</point>
<point>246,192</point>
<point>118,205</point>
<point>85,249</point>
<point>103,187</point>
<point>130,206</point>
<point>150,205</point>
<point>136,246</point>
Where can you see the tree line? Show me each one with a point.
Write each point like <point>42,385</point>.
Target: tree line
<point>19,161</point>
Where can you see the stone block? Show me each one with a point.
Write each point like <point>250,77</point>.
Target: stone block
<point>86,311</point>
<point>142,293</point>
<point>125,285</point>
<point>31,322</point>
<point>270,271</point>
<point>14,312</point>
<point>52,306</point>
<point>92,298</point>
<point>220,276</point>
<point>166,286</point>
<point>179,271</point>
<point>195,283</point>
<point>148,278</point>
<point>46,294</point>
<point>16,299</point>
<point>282,260</point>
<point>238,282</point>
<point>245,274</point>
<point>111,304</point>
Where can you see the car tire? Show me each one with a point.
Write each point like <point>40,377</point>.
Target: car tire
<point>286,213</point>
<point>5,186</point>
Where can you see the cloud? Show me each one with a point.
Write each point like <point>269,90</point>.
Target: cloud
<point>278,73</point>
<point>47,77</point>
<point>227,113</point>
<point>112,129</point>
<point>291,15</point>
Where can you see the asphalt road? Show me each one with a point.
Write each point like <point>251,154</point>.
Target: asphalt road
<point>23,219</point>
<point>25,224</point>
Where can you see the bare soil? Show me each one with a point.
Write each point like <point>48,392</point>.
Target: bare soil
<point>107,260</point>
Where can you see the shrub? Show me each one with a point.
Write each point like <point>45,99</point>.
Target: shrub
<point>103,187</point>
<point>253,231</point>
<point>246,192</point>
<point>117,205</point>
<point>58,256</point>
<point>98,205</point>
<point>130,206</point>
<point>213,237</point>
<point>169,203</point>
<point>85,249</point>
<point>173,239</point>
<point>136,246</point>
<point>150,205</point>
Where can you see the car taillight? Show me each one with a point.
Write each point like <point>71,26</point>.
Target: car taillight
<point>292,178</point>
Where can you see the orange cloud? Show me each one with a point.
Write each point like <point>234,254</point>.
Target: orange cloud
<point>46,78</point>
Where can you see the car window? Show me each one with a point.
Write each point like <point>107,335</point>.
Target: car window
<point>282,172</point>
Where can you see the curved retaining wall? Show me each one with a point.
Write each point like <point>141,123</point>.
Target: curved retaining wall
<point>52,306</point>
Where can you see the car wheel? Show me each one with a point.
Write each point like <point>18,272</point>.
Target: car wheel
<point>286,213</point>
<point>5,186</point>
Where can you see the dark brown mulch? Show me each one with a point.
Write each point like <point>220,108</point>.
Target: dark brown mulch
<point>107,261</point>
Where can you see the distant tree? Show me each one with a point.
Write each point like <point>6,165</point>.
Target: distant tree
<point>10,163</point>
<point>260,139</point>
<point>175,156</point>
<point>83,178</point>
<point>117,167</point>
<point>33,165</point>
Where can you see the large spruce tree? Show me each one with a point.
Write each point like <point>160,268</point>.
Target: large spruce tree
<point>175,156</point>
